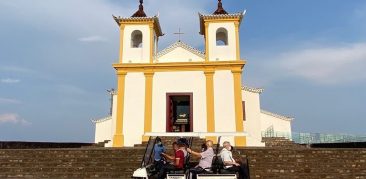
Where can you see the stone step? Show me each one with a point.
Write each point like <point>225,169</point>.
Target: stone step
<point>167,141</point>
<point>67,175</point>
<point>114,168</point>
<point>272,162</point>
<point>99,164</point>
<point>280,142</point>
<point>45,157</point>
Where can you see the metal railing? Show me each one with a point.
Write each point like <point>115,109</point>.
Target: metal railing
<point>313,138</point>
<point>149,151</point>
<point>286,135</point>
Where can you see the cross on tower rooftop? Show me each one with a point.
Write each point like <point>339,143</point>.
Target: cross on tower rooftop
<point>178,33</point>
<point>220,9</point>
<point>140,12</point>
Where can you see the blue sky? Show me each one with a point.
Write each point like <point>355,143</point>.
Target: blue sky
<point>56,56</point>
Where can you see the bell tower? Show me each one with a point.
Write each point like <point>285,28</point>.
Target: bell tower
<point>221,32</point>
<point>138,37</point>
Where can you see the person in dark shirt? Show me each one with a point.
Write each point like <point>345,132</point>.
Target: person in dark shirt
<point>177,164</point>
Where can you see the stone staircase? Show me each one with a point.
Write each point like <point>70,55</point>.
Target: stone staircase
<point>167,141</point>
<point>280,142</point>
<point>265,162</point>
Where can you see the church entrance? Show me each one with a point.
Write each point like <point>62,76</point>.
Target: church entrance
<point>179,112</point>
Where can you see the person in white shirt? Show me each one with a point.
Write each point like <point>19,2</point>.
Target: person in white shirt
<point>205,161</point>
<point>229,162</point>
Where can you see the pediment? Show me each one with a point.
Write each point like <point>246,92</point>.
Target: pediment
<point>179,52</point>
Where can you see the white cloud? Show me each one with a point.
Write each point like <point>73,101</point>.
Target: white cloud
<point>13,118</point>
<point>66,17</point>
<point>70,89</point>
<point>340,64</point>
<point>180,14</point>
<point>15,69</point>
<point>9,80</point>
<point>9,101</point>
<point>92,39</point>
<point>327,65</point>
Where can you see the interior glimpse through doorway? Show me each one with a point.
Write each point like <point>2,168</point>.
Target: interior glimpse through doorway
<point>179,112</point>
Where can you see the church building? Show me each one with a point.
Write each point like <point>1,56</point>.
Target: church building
<point>182,91</point>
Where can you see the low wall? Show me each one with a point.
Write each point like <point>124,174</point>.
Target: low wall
<point>340,145</point>
<point>306,163</point>
<point>70,163</point>
<point>37,145</point>
<point>283,160</point>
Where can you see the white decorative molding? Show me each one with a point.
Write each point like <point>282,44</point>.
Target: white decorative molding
<point>196,134</point>
<point>204,17</point>
<point>286,118</point>
<point>182,45</point>
<point>231,15</point>
<point>253,90</point>
<point>140,19</point>
<point>101,120</point>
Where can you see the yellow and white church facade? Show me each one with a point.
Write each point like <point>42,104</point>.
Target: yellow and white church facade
<point>182,91</point>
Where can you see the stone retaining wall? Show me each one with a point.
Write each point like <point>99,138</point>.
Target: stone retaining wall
<point>120,163</point>
<point>306,163</point>
<point>281,159</point>
<point>36,145</point>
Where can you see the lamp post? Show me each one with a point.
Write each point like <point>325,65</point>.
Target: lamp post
<point>111,93</point>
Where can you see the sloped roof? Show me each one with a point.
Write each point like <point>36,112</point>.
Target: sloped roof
<point>222,16</point>
<point>220,9</point>
<point>182,45</point>
<point>140,12</point>
<point>253,90</point>
<point>286,118</point>
<point>101,120</point>
<point>203,17</point>
<point>155,19</point>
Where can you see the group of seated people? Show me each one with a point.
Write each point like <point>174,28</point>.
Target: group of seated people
<point>165,163</point>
